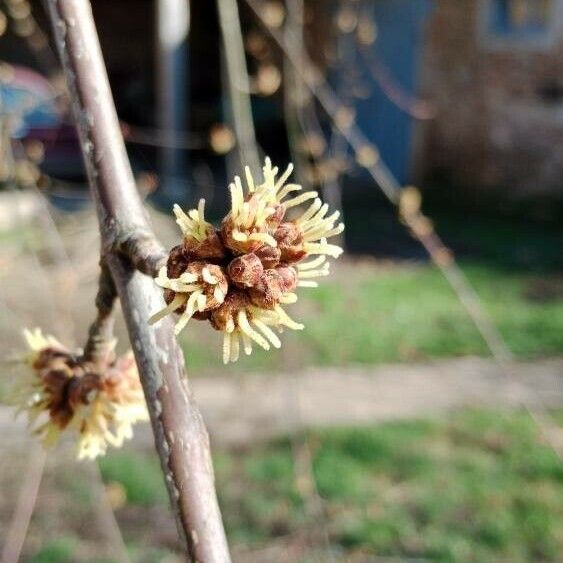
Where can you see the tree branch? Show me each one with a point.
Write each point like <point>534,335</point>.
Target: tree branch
<point>239,85</point>
<point>100,342</point>
<point>143,251</point>
<point>180,435</point>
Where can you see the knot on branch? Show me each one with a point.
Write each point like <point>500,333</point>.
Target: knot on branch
<point>143,251</point>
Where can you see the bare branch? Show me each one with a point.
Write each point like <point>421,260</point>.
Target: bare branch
<point>17,531</point>
<point>143,251</point>
<point>180,435</point>
<point>239,86</point>
<point>100,336</point>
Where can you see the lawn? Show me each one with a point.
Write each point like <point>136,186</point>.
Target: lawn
<point>476,486</point>
<point>368,313</point>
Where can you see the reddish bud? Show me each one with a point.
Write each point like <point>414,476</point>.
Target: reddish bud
<point>267,292</point>
<point>177,262</point>
<point>274,220</point>
<point>210,249</point>
<point>245,271</point>
<point>209,288</point>
<point>290,242</point>
<point>237,246</point>
<point>269,256</point>
<point>288,277</point>
<point>235,301</point>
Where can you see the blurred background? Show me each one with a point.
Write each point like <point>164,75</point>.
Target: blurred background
<point>419,417</point>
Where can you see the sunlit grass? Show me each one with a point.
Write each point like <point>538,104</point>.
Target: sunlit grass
<point>478,486</point>
<point>368,314</point>
<point>56,550</point>
<point>141,480</point>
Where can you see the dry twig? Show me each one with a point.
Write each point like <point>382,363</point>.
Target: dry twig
<point>239,86</point>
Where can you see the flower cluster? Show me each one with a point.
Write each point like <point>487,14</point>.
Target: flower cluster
<point>239,276</point>
<point>62,391</point>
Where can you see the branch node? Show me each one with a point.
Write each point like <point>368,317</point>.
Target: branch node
<point>143,251</point>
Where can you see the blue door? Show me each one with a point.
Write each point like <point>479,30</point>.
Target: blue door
<point>390,68</point>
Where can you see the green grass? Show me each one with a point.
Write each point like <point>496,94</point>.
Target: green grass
<point>371,315</point>
<point>142,481</point>
<point>478,486</point>
<point>58,550</point>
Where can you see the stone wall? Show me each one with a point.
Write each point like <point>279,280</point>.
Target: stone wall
<point>499,122</point>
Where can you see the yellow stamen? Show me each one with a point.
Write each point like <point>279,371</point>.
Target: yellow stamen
<point>226,347</point>
<point>208,277</point>
<point>312,209</point>
<point>235,347</point>
<point>268,333</point>
<point>312,263</point>
<point>244,325</point>
<point>286,320</point>
<point>238,236</point>
<point>288,298</point>
<point>263,237</point>
<point>247,343</point>
<point>302,283</point>
<point>287,190</point>
<point>218,294</point>
<point>188,313</point>
<point>282,179</point>
<point>176,303</point>
<point>249,179</point>
<point>299,199</point>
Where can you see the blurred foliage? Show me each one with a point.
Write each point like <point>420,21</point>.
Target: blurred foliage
<point>57,550</point>
<point>142,482</point>
<point>478,486</point>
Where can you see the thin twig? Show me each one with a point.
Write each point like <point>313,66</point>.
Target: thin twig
<point>25,505</point>
<point>368,157</point>
<point>301,113</point>
<point>293,87</point>
<point>100,344</point>
<point>106,517</point>
<point>239,86</point>
<point>180,436</point>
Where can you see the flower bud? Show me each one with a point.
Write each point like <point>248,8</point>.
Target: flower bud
<point>222,317</point>
<point>201,241</point>
<point>288,278</point>
<point>98,401</point>
<point>177,262</point>
<point>243,242</point>
<point>276,217</point>
<point>200,288</point>
<point>267,292</point>
<point>245,271</point>
<point>259,257</point>
<point>269,256</point>
<point>210,249</point>
<point>290,242</point>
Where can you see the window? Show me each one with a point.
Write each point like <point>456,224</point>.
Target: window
<point>526,23</point>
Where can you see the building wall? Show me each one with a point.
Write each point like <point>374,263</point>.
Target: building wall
<point>499,120</point>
